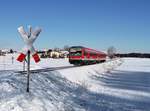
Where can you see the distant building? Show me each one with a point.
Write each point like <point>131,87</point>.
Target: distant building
<point>2,53</point>
<point>45,53</point>
<point>53,54</point>
<point>64,54</point>
<point>5,51</point>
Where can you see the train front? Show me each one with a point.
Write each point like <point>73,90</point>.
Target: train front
<point>75,55</point>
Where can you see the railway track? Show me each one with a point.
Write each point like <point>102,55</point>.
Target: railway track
<point>48,69</point>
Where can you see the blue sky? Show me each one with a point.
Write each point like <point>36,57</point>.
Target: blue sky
<point>98,24</point>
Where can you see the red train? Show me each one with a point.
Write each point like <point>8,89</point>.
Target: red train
<point>79,55</point>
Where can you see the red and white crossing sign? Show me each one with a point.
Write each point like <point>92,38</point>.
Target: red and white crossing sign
<point>29,39</point>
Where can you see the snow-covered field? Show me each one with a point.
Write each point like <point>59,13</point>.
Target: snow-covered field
<point>7,63</point>
<point>117,85</point>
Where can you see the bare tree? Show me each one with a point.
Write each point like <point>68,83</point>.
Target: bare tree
<point>111,52</point>
<point>11,51</point>
<point>66,48</point>
<point>56,49</point>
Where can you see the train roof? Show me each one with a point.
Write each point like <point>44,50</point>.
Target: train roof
<point>77,47</point>
<point>87,49</point>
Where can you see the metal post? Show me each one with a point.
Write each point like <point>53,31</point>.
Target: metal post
<point>28,70</point>
<point>4,62</point>
<point>12,60</point>
<point>24,65</point>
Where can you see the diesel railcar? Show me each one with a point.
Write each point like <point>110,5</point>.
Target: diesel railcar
<point>79,55</point>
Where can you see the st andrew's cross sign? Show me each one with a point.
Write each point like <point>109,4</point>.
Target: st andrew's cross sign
<point>29,39</point>
<point>28,49</point>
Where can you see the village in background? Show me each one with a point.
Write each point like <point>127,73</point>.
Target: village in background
<point>64,53</point>
<point>46,53</point>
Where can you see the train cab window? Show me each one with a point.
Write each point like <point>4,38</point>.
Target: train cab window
<point>77,53</point>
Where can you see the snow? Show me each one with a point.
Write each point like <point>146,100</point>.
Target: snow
<point>7,64</point>
<point>116,85</point>
<point>140,65</point>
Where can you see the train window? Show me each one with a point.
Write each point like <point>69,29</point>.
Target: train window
<point>85,53</point>
<point>93,54</point>
<point>77,53</point>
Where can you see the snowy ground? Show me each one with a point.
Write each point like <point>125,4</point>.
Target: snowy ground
<point>6,63</point>
<point>118,85</point>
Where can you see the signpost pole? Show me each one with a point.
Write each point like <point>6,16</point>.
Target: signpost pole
<point>24,65</point>
<point>12,60</point>
<point>28,63</point>
<point>28,70</point>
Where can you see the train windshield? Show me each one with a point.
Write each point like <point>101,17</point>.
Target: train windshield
<point>75,52</point>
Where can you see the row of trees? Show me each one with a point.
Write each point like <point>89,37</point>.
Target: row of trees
<point>139,55</point>
<point>111,51</point>
<point>65,48</point>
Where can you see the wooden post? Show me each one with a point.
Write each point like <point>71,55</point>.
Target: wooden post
<point>28,71</point>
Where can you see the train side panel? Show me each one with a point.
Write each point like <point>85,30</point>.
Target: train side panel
<point>85,56</point>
